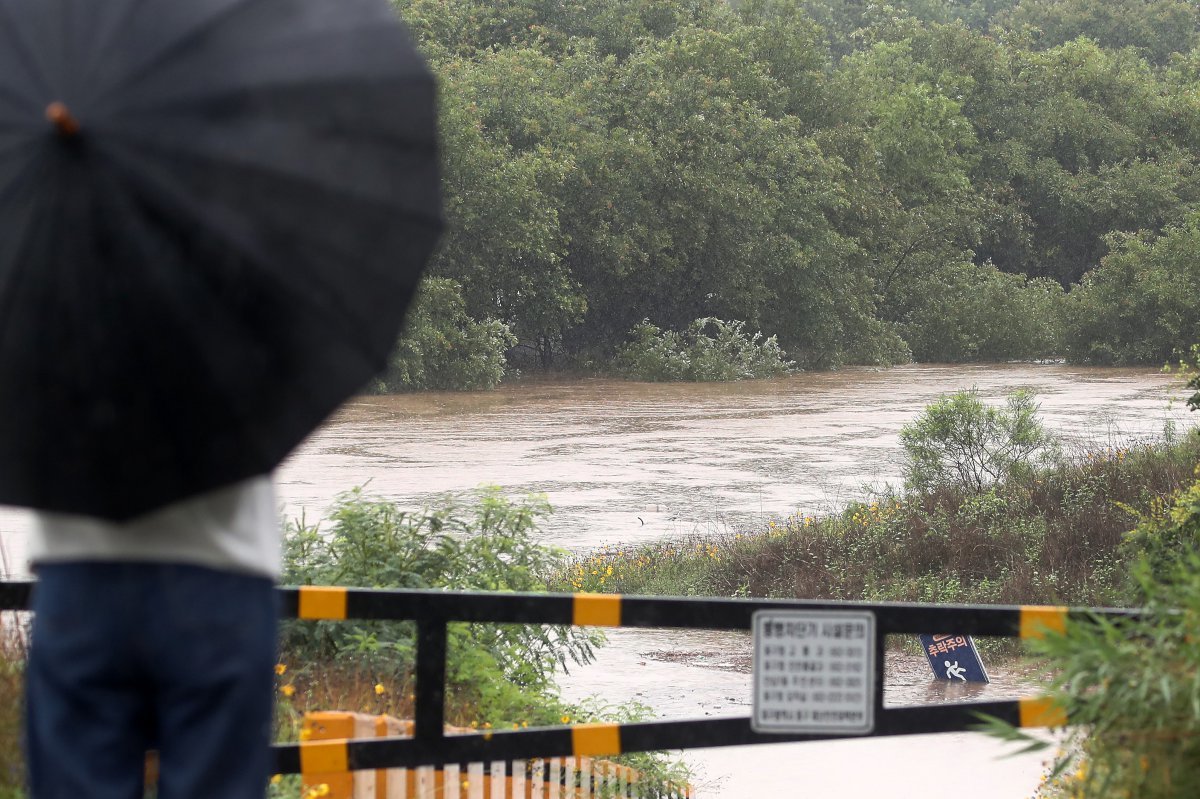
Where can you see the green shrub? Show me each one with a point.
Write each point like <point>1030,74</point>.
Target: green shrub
<point>710,349</point>
<point>443,348</point>
<point>1139,305</point>
<point>1166,535</point>
<point>505,672</point>
<point>967,312</point>
<point>1054,536</point>
<point>1131,688</point>
<point>959,441</point>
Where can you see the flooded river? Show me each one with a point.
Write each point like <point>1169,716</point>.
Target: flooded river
<point>628,462</point>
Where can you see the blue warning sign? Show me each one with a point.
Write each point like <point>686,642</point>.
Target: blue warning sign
<point>954,658</point>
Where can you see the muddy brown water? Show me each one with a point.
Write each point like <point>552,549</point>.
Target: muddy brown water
<point>631,462</point>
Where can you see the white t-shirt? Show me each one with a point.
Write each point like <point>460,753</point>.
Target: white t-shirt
<point>234,529</point>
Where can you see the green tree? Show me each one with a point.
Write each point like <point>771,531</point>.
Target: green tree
<point>960,441</point>
<point>504,243</point>
<point>1156,28</point>
<point>1085,152</point>
<point>1139,305</point>
<point>444,348</point>
<point>965,312</point>
<point>672,160</point>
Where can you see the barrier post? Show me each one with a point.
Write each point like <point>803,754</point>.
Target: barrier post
<point>393,783</point>
<point>336,725</point>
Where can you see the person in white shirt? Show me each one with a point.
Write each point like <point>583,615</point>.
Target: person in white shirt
<point>155,634</point>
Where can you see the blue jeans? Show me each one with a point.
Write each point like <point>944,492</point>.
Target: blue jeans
<point>128,657</point>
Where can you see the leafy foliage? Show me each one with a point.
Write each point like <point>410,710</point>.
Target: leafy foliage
<point>709,349</point>
<point>1190,367</point>
<point>443,348</point>
<point>1166,535</point>
<point>505,671</point>
<point>1155,27</point>
<point>960,441</point>
<point>858,180</point>
<point>965,312</point>
<point>13,654</point>
<point>1132,686</point>
<point>1140,303</point>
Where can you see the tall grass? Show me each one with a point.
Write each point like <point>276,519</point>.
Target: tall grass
<point>13,650</point>
<point>1051,536</point>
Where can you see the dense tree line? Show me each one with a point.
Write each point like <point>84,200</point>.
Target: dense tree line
<point>940,180</point>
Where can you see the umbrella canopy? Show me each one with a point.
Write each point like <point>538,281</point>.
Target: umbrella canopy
<point>213,214</point>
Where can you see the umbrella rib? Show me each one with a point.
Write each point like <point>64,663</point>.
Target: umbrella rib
<point>220,222</point>
<point>16,100</point>
<point>180,148</point>
<point>168,50</point>
<point>218,227</point>
<point>13,143</point>
<point>13,183</point>
<point>21,45</point>
<point>11,278</point>
<point>146,233</point>
<point>115,27</point>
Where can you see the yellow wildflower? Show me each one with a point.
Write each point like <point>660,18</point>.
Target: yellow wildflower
<point>280,668</point>
<point>379,689</point>
<point>287,690</point>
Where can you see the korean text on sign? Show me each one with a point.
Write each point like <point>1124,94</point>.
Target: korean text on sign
<point>814,671</point>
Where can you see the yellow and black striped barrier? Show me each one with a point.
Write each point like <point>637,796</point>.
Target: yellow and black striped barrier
<point>541,778</point>
<point>432,610</point>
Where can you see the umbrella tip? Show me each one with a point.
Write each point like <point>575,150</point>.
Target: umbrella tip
<point>60,116</point>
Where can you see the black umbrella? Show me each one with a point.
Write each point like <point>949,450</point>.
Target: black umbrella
<point>213,214</point>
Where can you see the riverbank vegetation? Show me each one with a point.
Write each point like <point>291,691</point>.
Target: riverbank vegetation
<point>860,183</point>
<point>502,673</point>
<point>1052,534</point>
<point>497,676</point>
<point>1130,687</point>
<point>709,349</point>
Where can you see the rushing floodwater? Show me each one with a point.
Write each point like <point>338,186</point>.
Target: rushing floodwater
<point>624,462</point>
<point>628,462</point>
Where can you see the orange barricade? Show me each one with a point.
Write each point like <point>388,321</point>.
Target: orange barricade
<point>556,778</point>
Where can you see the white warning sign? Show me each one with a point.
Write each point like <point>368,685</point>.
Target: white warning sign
<point>814,671</point>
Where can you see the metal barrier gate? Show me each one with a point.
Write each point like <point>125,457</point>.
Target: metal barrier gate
<point>433,610</point>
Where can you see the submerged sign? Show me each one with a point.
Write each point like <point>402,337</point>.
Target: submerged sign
<point>954,658</point>
<point>814,671</point>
